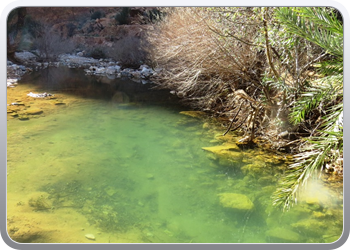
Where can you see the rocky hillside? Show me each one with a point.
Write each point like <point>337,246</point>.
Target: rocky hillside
<point>112,32</point>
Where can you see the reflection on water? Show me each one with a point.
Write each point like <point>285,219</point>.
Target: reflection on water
<point>127,170</point>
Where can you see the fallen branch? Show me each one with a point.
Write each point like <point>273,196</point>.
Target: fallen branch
<point>234,118</point>
<point>240,123</point>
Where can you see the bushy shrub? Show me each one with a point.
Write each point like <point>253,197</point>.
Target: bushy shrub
<point>123,17</point>
<point>97,53</point>
<point>96,15</point>
<point>71,29</point>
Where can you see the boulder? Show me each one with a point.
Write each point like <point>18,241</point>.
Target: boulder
<point>235,201</point>
<point>25,57</point>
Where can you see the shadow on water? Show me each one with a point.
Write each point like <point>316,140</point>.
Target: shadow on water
<point>75,82</point>
<point>140,174</point>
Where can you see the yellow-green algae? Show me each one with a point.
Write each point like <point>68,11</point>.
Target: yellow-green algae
<point>236,201</point>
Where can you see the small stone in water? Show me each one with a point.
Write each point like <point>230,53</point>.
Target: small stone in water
<point>90,236</point>
<point>150,176</point>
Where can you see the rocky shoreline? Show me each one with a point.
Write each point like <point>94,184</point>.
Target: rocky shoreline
<point>99,67</point>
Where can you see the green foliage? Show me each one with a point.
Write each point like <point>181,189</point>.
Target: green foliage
<point>314,99</point>
<point>323,98</point>
<point>155,15</point>
<point>317,25</point>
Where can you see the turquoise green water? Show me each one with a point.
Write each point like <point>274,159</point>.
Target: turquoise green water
<point>140,169</point>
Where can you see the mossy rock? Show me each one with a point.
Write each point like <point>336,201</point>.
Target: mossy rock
<point>282,235</point>
<point>206,125</point>
<point>310,227</point>
<point>33,111</point>
<point>230,138</point>
<point>22,117</point>
<point>59,103</point>
<point>266,180</point>
<point>228,154</point>
<point>224,150</point>
<point>235,201</point>
<point>268,158</point>
<point>254,169</point>
<point>194,114</point>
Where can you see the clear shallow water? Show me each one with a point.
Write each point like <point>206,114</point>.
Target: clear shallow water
<point>136,172</point>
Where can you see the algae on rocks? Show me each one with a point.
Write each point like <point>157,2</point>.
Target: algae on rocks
<point>235,201</point>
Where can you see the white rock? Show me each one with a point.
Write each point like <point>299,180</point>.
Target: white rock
<point>146,72</point>
<point>100,70</point>
<point>117,68</point>
<point>110,70</point>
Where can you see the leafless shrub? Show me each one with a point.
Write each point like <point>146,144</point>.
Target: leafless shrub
<point>129,51</point>
<point>214,57</point>
<point>50,44</point>
<point>199,63</point>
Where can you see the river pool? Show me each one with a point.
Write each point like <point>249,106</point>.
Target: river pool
<point>108,161</point>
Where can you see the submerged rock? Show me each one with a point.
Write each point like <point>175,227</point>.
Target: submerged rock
<point>120,97</point>
<point>90,237</point>
<point>223,149</point>
<point>282,235</point>
<point>254,169</point>
<point>195,114</point>
<point>311,227</point>
<point>226,154</point>
<point>33,111</point>
<point>150,176</point>
<point>22,117</point>
<point>236,201</point>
